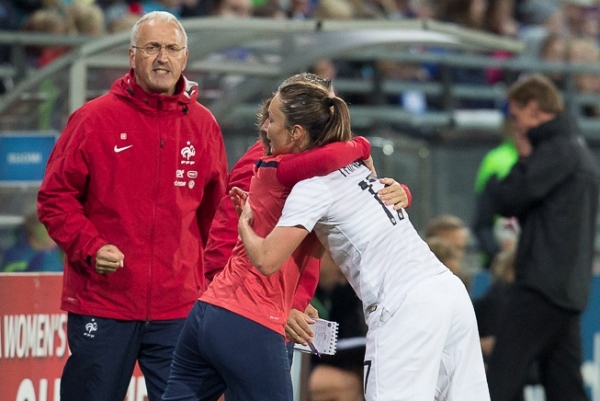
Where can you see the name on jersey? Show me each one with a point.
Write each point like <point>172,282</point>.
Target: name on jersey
<point>350,168</point>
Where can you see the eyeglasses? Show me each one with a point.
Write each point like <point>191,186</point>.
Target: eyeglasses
<point>153,50</point>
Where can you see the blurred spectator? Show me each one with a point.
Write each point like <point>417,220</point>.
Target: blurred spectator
<point>34,249</point>
<point>412,100</point>
<point>116,10</point>
<point>122,24</point>
<point>172,6</point>
<point>453,230</point>
<point>47,260</point>
<point>541,19</point>
<point>119,9</point>
<point>196,8</point>
<point>490,306</point>
<point>269,9</point>
<point>233,8</point>
<point>496,163</point>
<point>8,18</point>
<point>367,9</point>
<point>397,9</point>
<point>325,68</point>
<point>586,51</point>
<point>339,377</point>
<point>581,17</point>
<point>468,14</point>
<point>24,8</point>
<point>554,49</point>
<point>506,232</point>
<point>84,19</point>
<point>48,21</point>
<point>446,253</point>
<point>500,20</point>
<point>299,9</point>
<point>424,9</point>
<point>465,13</point>
<point>334,9</point>
<point>8,21</point>
<point>553,190</point>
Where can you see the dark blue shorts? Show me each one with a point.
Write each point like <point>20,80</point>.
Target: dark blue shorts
<point>104,352</point>
<point>219,350</point>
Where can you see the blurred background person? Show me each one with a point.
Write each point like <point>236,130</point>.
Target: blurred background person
<point>496,163</point>
<point>338,377</point>
<point>48,21</point>
<point>9,22</point>
<point>446,253</point>
<point>585,51</point>
<point>539,19</point>
<point>553,191</point>
<point>454,230</point>
<point>233,8</point>
<point>84,19</point>
<point>33,250</point>
<point>490,306</point>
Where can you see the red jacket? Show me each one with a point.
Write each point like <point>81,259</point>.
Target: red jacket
<point>240,287</point>
<point>291,169</point>
<point>145,173</point>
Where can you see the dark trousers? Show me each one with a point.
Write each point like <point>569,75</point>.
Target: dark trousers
<point>219,350</point>
<point>289,346</point>
<point>104,353</point>
<point>534,330</point>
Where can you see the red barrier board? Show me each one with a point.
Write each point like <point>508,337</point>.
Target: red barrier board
<point>33,339</point>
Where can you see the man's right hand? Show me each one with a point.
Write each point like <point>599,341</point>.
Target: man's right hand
<point>108,259</point>
<point>523,145</point>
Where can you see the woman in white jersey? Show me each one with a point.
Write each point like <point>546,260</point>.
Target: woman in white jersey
<point>422,342</point>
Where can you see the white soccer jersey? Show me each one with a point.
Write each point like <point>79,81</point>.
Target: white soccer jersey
<point>422,342</point>
<point>377,248</point>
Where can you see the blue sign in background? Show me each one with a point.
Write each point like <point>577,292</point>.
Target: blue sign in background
<point>23,156</point>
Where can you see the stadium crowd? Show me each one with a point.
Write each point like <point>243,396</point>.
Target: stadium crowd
<point>554,30</point>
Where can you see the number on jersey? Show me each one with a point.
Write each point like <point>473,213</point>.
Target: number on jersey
<point>367,185</point>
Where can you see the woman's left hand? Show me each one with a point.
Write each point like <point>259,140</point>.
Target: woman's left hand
<point>297,327</point>
<point>240,202</point>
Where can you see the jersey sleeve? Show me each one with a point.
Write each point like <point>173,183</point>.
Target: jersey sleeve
<point>308,201</point>
<point>321,161</point>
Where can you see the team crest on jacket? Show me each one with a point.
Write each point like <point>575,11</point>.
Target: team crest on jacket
<point>187,154</point>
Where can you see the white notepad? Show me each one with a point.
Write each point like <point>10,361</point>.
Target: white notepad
<point>325,339</point>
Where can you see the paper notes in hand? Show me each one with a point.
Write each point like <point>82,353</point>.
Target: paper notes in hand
<point>325,339</point>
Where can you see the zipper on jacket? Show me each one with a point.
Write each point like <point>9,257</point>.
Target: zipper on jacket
<point>147,323</point>
<point>162,143</point>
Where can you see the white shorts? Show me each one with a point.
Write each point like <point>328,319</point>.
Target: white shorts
<point>428,348</point>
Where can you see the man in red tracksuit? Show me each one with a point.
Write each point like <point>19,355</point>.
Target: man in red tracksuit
<point>130,192</point>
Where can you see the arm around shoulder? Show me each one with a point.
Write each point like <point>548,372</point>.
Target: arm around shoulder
<point>321,161</point>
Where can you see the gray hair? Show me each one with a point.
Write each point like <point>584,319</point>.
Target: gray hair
<point>161,15</point>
